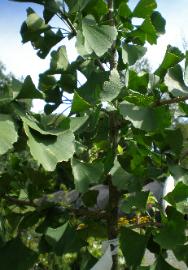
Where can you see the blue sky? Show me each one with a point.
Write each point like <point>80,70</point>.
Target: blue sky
<point>22,60</point>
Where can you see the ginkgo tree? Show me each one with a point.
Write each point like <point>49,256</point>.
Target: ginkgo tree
<point>121,133</point>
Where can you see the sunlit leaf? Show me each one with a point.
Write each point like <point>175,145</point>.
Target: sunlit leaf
<point>97,38</point>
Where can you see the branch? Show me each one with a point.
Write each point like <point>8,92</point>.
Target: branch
<point>143,225</point>
<point>170,101</point>
<point>18,202</point>
<point>97,214</point>
<point>68,21</point>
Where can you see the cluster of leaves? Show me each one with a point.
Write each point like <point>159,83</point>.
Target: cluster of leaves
<point>53,164</point>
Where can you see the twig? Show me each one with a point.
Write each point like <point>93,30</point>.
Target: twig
<point>170,101</point>
<point>19,202</point>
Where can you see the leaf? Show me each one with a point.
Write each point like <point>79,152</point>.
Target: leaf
<point>173,233</point>
<point>172,57</point>
<point>15,255</point>
<point>105,262</point>
<point>132,53</point>
<point>48,125</point>
<point>162,264</point>
<point>28,90</point>
<point>175,83</point>
<point>111,88</point>
<point>8,133</point>
<point>138,201</point>
<point>138,82</point>
<point>98,39</point>
<point>63,239</point>
<point>186,68</point>
<point>48,150</point>
<point>124,10</point>
<point>146,118</point>
<point>179,194</point>
<point>79,104</point>
<point>149,31</point>
<point>77,122</point>
<point>86,174</point>
<point>181,253</point>
<point>144,8</point>
<point>59,59</point>
<point>77,6</point>
<point>34,22</point>
<point>53,236</point>
<point>158,22</point>
<point>120,178</point>
<point>132,243</point>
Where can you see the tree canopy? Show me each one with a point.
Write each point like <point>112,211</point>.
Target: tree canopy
<point>124,130</point>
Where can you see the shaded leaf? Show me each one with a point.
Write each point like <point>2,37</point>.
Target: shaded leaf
<point>146,118</point>
<point>8,133</point>
<point>86,174</point>
<point>137,201</point>
<point>132,243</point>
<point>15,255</point>
<point>28,90</point>
<point>173,233</point>
<point>132,53</point>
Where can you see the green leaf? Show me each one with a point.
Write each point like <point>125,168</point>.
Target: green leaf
<point>48,125</point>
<point>186,68</point>
<point>162,264</point>
<point>48,150</point>
<point>86,174</point>
<point>111,88</point>
<point>77,6</point>
<point>138,82</point>
<point>34,22</point>
<point>132,243</point>
<point>53,236</point>
<point>90,198</point>
<point>59,59</point>
<point>181,253</point>
<point>79,104</point>
<point>132,53</point>
<point>144,8</point>
<point>124,10</point>
<point>172,57</point>
<point>120,178</point>
<point>8,133</point>
<point>77,122</point>
<point>98,38</point>
<point>149,31</point>
<point>70,241</point>
<point>158,22</point>
<point>15,255</point>
<point>137,201</point>
<point>179,194</point>
<point>146,118</point>
<point>175,83</point>
<point>28,90</point>
<point>173,233</point>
